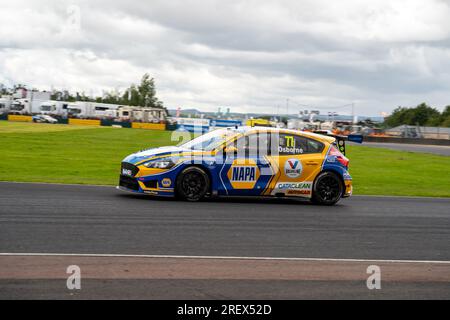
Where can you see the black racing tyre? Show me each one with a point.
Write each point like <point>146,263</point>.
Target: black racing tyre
<point>192,184</point>
<point>327,189</point>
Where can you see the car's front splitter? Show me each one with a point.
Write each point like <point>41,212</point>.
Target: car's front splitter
<point>163,193</point>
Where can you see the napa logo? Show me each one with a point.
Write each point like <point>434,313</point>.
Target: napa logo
<point>293,168</point>
<point>166,182</point>
<point>243,175</point>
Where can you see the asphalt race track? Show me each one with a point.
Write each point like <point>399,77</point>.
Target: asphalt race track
<point>439,150</point>
<point>131,246</point>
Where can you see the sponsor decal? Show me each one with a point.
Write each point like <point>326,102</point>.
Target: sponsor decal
<point>293,168</point>
<point>288,185</point>
<point>298,192</point>
<point>289,150</point>
<point>127,172</point>
<point>290,141</point>
<point>289,146</point>
<point>300,189</point>
<point>166,182</point>
<point>243,174</point>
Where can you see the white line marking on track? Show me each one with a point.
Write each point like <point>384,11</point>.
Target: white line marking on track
<point>105,255</point>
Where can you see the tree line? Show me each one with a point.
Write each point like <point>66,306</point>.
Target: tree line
<point>422,115</point>
<point>142,95</point>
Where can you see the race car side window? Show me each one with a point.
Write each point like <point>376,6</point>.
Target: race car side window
<point>236,148</point>
<point>257,144</point>
<point>291,144</point>
<point>315,146</point>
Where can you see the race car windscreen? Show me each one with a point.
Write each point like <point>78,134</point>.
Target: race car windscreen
<point>209,141</point>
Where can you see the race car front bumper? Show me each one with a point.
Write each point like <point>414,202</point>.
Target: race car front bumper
<point>131,180</point>
<point>129,183</point>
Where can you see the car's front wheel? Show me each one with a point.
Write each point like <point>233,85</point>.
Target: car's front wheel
<point>192,184</point>
<point>327,189</point>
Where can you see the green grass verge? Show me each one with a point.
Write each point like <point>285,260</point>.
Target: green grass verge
<point>388,172</point>
<point>27,127</point>
<point>87,155</point>
<point>84,155</point>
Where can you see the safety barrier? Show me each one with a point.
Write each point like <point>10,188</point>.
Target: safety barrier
<point>171,127</point>
<point>108,123</point>
<point>151,126</point>
<point>19,118</point>
<point>96,122</point>
<point>62,120</point>
<point>84,122</point>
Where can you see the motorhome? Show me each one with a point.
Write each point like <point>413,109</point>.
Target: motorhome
<point>54,108</point>
<point>139,114</point>
<point>82,109</point>
<point>77,110</point>
<point>125,113</point>
<point>103,110</point>
<point>149,115</point>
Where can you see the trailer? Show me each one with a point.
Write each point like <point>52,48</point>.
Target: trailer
<point>35,99</point>
<point>82,109</point>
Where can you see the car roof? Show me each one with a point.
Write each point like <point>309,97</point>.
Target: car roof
<point>249,129</point>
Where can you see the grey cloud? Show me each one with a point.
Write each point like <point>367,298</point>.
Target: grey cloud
<point>248,55</point>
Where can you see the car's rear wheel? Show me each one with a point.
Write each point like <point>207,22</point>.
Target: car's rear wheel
<point>192,184</point>
<point>327,189</point>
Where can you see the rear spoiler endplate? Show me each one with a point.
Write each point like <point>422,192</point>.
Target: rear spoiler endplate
<point>358,138</point>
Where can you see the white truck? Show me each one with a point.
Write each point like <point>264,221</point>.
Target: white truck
<point>5,104</point>
<point>20,106</point>
<point>81,109</point>
<point>30,104</point>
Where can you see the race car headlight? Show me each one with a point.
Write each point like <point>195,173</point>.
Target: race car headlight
<point>160,164</point>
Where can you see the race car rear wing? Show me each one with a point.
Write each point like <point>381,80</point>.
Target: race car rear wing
<point>340,139</point>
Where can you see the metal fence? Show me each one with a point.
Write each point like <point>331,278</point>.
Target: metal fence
<point>406,131</point>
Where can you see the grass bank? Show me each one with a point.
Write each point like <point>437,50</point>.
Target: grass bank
<point>92,155</point>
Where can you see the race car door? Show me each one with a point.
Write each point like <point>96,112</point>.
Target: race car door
<point>247,171</point>
<point>299,160</point>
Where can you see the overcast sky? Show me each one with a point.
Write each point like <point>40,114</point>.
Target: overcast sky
<point>246,55</point>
